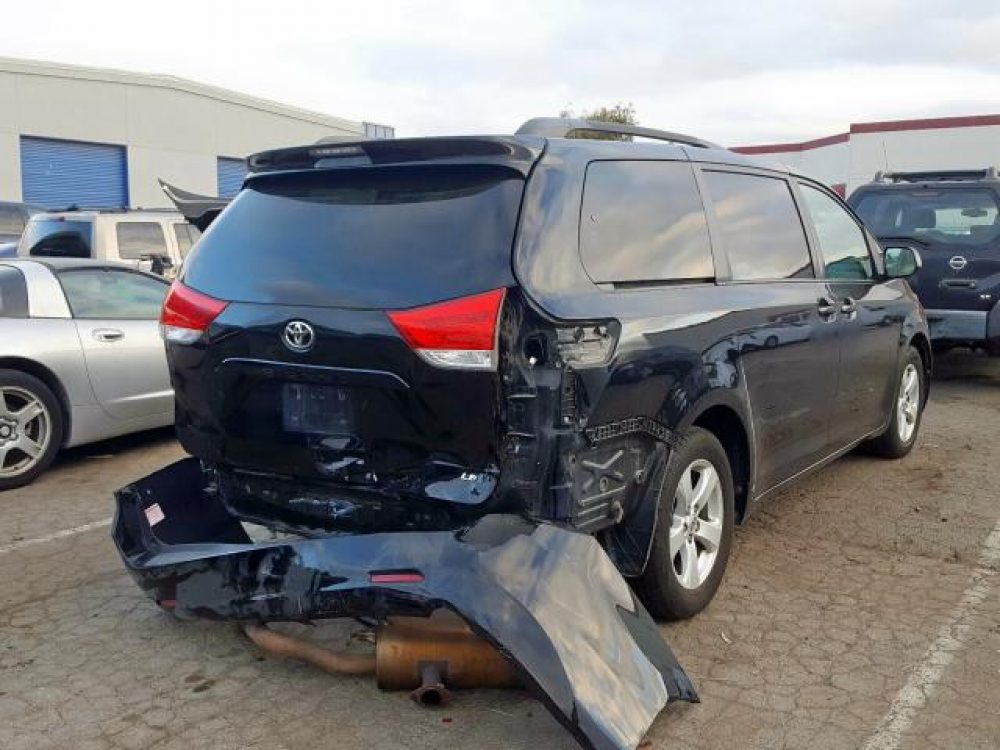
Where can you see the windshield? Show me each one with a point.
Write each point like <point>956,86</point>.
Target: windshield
<point>61,238</point>
<point>964,216</point>
<point>378,238</point>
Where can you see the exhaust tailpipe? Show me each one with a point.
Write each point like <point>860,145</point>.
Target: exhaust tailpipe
<point>288,647</point>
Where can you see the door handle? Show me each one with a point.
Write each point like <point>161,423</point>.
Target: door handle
<point>826,307</point>
<point>958,284</point>
<point>848,306</point>
<point>108,334</point>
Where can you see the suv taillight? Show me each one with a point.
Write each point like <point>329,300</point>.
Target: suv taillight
<point>460,333</point>
<point>187,314</point>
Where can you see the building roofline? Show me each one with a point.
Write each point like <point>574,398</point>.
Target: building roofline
<point>782,148</point>
<point>885,126</point>
<point>890,126</point>
<point>156,80</point>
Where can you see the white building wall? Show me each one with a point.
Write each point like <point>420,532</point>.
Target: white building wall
<point>10,167</point>
<point>825,163</point>
<point>172,129</point>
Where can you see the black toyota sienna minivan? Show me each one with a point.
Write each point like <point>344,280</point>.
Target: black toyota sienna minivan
<point>636,339</point>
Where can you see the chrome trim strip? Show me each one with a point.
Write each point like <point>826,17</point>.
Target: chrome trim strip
<point>347,372</point>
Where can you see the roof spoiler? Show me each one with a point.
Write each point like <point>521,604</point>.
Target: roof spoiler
<point>947,175</point>
<point>519,154</point>
<point>562,127</point>
<point>199,210</point>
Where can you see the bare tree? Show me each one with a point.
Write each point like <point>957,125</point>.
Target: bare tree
<point>621,113</point>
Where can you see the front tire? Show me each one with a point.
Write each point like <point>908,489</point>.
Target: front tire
<point>694,530</point>
<point>907,409</point>
<point>31,428</point>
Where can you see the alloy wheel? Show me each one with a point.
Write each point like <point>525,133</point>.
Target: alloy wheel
<point>908,403</point>
<point>25,430</point>
<point>697,523</point>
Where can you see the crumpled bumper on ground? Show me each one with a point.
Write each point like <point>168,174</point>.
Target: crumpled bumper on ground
<point>549,599</point>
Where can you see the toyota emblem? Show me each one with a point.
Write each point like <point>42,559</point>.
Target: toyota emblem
<point>299,336</point>
<point>958,262</point>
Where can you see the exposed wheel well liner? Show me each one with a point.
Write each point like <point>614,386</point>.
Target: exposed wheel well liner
<point>48,377</point>
<point>728,429</point>
<point>922,345</point>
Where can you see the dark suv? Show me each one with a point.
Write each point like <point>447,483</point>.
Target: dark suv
<point>953,220</point>
<point>631,339</point>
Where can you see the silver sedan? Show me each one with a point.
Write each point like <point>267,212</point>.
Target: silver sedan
<point>80,359</point>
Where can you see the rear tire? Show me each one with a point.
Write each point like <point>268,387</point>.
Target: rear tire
<point>907,409</point>
<point>31,428</point>
<point>690,549</point>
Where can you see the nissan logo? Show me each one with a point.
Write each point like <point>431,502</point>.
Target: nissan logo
<point>958,262</point>
<point>299,336</point>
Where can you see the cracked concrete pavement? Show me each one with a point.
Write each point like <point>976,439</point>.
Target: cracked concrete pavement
<point>861,609</point>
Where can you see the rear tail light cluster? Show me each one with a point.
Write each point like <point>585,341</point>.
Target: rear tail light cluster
<point>460,333</point>
<point>187,314</point>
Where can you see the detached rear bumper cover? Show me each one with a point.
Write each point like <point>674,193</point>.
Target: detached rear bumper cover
<point>548,598</point>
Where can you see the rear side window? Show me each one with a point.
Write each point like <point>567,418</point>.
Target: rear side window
<point>13,293</point>
<point>845,251</point>
<point>11,222</point>
<point>113,294</point>
<point>57,238</point>
<point>186,235</point>
<point>140,238</point>
<point>374,238</point>
<point>644,221</point>
<point>760,225</point>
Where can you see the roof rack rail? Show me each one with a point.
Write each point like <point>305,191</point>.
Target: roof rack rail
<point>946,175</point>
<point>561,127</point>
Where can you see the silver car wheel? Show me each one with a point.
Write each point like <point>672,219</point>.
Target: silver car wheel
<point>908,403</point>
<point>25,430</point>
<point>696,525</point>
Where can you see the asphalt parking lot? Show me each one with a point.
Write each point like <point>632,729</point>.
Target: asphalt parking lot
<point>861,609</point>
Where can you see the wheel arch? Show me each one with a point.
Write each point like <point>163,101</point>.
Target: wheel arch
<point>43,373</point>
<point>726,421</point>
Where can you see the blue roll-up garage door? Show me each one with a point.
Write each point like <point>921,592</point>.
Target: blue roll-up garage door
<point>229,176</point>
<point>57,173</point>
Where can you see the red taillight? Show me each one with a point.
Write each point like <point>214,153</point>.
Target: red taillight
<point>458,333</point>
<point>187,314</point>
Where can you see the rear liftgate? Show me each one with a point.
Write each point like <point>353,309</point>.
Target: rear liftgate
<point>548,599</point>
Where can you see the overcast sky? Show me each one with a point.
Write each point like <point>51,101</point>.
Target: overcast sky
<point>733,71</point>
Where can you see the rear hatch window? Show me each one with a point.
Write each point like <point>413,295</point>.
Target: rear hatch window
<point>57,238</point>
<point>374,238</point>
<point>954,216</point>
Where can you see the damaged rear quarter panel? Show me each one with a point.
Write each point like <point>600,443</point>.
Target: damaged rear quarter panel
<point>674,353</point>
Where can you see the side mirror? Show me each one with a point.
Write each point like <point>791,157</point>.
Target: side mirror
<point>155,263</point>
<point>902,262</point>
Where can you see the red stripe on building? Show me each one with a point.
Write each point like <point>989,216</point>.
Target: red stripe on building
<point>784,148</point>
<point>888,126</point>
<point>891,126</point>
